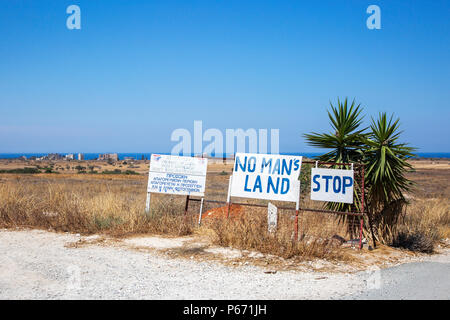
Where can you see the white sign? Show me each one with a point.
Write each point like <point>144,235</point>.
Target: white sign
<point>264,176</point>
<point>176,164</point>
<point>332,185</point>
<point>272,217</point>
<point>177,175</point>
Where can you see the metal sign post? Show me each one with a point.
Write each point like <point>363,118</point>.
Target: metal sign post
<point>361,210</point>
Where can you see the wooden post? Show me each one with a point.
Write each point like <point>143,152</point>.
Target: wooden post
<point>147,203</point>
<point>229,196</point>
<point>187,205</point>
<point>201,211</point>
<point>296,226</point>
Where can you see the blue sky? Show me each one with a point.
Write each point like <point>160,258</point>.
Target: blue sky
<point>138,70</point>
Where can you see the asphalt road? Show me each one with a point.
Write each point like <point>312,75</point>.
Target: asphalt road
<point>416,280</point>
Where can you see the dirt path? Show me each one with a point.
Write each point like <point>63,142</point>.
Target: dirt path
<point>41,265</point>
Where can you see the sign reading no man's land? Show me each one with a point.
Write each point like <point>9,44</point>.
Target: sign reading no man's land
<point>264,176</point>
<point>177,175</point>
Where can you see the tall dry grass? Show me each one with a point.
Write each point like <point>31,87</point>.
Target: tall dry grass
<point>424,223</point>
<point>250,231</point>
<point>93,204</point>
<point>116,207</point>
<point>87,208</point>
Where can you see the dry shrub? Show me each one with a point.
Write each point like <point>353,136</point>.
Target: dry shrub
<point>414,240</point>
<point>249,231</point>
<point>425,222</point>
<point>88,208</point>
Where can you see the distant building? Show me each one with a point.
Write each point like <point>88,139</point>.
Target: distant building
<point>22,158</point>
<point>108,156</point>
<point>80,156</point>
<point>53,156</point>
<point>69,156</point>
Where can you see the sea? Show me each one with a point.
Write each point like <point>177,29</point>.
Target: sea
<point>145,155</point>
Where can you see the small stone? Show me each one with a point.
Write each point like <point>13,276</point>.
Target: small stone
<point>270,271</point>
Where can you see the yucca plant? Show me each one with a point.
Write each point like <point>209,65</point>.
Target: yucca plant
<point>386,163</point>
<point>346,144</point>
<point>385,160</point>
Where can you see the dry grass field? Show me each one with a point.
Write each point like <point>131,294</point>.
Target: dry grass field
<point>89,197</point>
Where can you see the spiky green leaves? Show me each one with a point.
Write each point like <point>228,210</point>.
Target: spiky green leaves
<point>386,160</point>
<point>379,149</point>
<point>345,140</point>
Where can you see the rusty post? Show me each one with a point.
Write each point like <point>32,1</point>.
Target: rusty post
<point>187,205</point>
<point>362,207</point>
<point>360,232</point>
<point>297,208</point>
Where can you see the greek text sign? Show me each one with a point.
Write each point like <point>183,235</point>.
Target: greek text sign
<point>332,185</point>
<point>264,176</point>
<point>177,175</point>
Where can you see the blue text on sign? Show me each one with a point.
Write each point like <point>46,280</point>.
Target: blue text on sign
<point>268,166</point>
<point>337,184</point>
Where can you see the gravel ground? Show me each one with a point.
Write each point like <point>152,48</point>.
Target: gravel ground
<point>37,265</point>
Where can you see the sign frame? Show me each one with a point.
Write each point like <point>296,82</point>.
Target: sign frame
<point>360,168</point>
<point>334,192</point>
<point>187,167</point>
<point>297,184</point>
<point>269,173</point>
